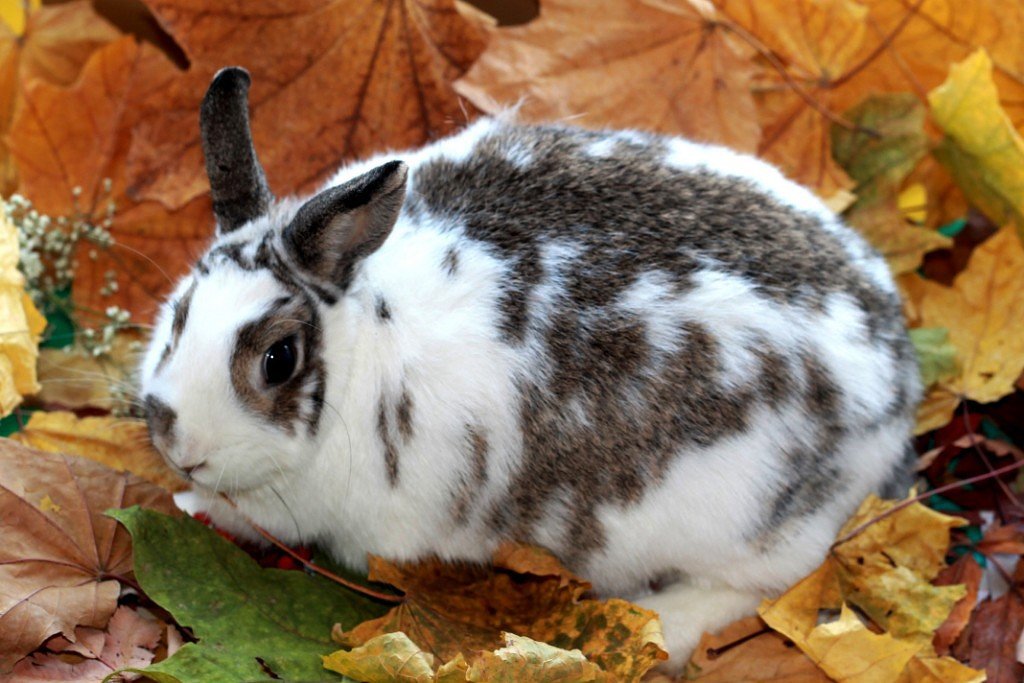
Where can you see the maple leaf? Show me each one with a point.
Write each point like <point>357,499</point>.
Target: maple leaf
<point>78,137</point>
<point>120,443</point>
<point>990,640</point>
<point>48,43</point>
<point>73,378</point>
<point>248,620</point>
<point>129,641</point>
<point>936,356</point>
<point>61,558</point>
<point>879,162</point>
<point>883,565</point>
<point>450,610</point>
<point>967,572</point>
<point>332,81</point>
<point>746,651</point>
<point>984,313</point>
<point>981,149</point>
<point>665,67</point>
<point>20,326</point>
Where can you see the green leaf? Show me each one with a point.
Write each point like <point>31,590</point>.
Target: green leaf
<point>241,614</point>
<point>936,355</point>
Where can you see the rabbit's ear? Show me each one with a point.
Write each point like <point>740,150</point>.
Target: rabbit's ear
<point>237,184</point>
<point>336,228</point>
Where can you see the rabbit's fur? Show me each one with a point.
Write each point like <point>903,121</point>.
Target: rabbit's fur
<point>660,359</point>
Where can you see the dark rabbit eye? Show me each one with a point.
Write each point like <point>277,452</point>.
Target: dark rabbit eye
<point>279,362</point>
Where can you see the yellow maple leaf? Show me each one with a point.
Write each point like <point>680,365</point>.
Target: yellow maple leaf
<point>883,567</point>
<point>982,150</point>
<point>20,325</point>
<point>984,313</point>
<point>15,13</point>
<point>116,442</point>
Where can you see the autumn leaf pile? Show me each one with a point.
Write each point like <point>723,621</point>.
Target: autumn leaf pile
<point>903,115</point>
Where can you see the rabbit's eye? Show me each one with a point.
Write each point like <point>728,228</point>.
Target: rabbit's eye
<point>279,362</point>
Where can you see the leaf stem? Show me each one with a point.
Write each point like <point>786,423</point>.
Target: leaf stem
<point>327,574</point>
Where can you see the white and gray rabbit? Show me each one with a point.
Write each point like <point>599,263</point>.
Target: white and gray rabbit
<point>662,360</point>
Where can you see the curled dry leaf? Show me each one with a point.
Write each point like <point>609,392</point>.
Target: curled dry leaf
<point>129,641</point>
<point>450,610</point>
<point>61,558</point>
<point>990,640</point>
<point>78,137</point>
<point>120,443</point>
<point>659,66</point>
<point>967,572</point>
<point>331,81</point>
<point>49,43</point>
<point>529,661</point>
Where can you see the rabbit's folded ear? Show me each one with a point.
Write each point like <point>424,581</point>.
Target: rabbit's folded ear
<point>336,228</point>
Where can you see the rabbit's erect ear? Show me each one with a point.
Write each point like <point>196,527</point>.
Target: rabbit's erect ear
<point>335,229</point>
<point>237,182</point>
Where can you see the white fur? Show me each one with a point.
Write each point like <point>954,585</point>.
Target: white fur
<point>443,347</point>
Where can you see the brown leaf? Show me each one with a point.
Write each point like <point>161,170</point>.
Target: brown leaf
<point>747,650</point>
<point>128,642</point>
<point>78,137</point>
<point>55,43</point>
<point>657,66</point>
<point>61,557</point>
<point>332,81</point>
<point>990,640</point>
<point>964,571</point>
<point>1007,539</point>
<point>458,609</point>
<point>120,443</point>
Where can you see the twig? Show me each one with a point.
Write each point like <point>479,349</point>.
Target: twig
<point>928,494</point>
<point>327,574</point>
<point>887,41</point>
<point>988,463</point>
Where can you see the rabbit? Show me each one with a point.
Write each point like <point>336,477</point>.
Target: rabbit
<point>662,360</point>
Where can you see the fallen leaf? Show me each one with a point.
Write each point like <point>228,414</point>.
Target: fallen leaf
<point>61,569</point>
<point>48,43</point>
<point>936,356</point>
<point>753,654</point>
<point>78,137</point>
<point>879,162</point>
<point>1003,538</point>
<point>658,66</point>
<point>20,325</point>
<point>241,614</point>
<point>964,571</point>
<point>529,661</point>
<point>936,670</point>
<point>847,651</point>
<point>120,443</point>
<point>981,149</point>
<point>455,609</point>
<point>990,640</point>
<point>388,657</point>
<point>984,313</point>
<point>74,378</point>
<point>128,642</point>
<point>332,81</point>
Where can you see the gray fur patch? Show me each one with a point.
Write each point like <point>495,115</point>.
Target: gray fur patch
<point>470,486</point>
<point>390,451</point>
<point>403,415</point>
<point>450,263</point>
<point>383,310</point>
<point>160,419</point>
<point>178,321</point>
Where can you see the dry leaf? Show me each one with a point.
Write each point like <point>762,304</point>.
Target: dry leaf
<point>128,642</point>
<point>458,609</point>
<point>387,657</point>
<point>816,41</point>
<point>990,641</point>
<point>964,571</point>
<point>332,81</point>
<point>529,661</point>
<point>982,150</point>
<point>60,562</point>
<point>659,66</point>
<point>984,313</point>
<point>120,443</point>
<point>74,378</point>
<point>766,656</point>
<point>50,43</point>
<point>20,325</point>
<point>1008,539</point>
<point>77,137</point>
